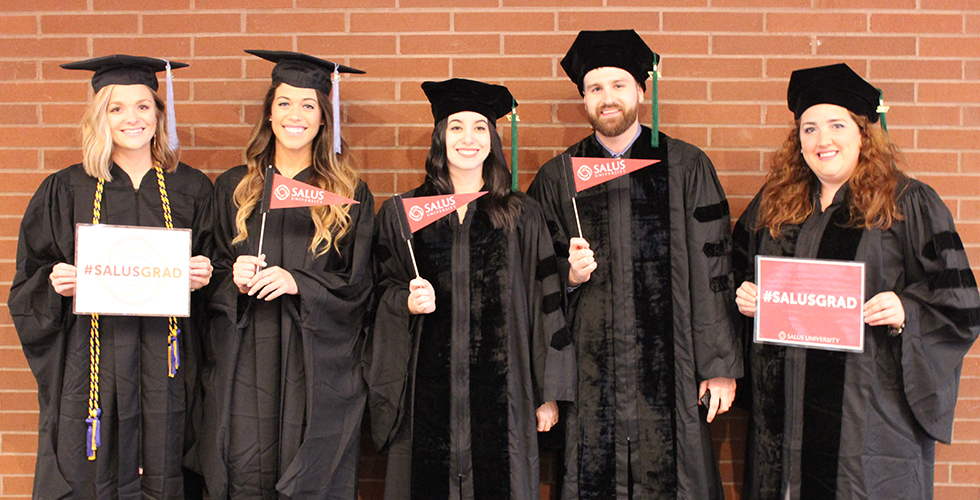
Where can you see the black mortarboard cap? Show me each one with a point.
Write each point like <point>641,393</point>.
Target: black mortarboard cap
<point>614,48</point>
<point>455,95</point>
<point>301,70</point>
<point>121,69</point>
<point>835,84</point>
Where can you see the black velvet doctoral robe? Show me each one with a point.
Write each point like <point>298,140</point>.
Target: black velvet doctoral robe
<point>145,414</point>
<point>453,393</point>
<point>653,321</point>
<point>862,425</point>
<point>285,393</point>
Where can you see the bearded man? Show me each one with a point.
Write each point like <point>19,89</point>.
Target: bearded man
<point>649,292</point>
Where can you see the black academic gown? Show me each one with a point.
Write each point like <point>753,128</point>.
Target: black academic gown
<point>454,392</point>
<point>285,393</point>
<point>652,322</point>
<point>862,425</point>
<point>145,413</point>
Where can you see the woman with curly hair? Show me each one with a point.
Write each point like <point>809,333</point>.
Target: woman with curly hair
<point>116,393</point>
<point>830,424</point>
<point>469,356</point>
<point>285,394</point>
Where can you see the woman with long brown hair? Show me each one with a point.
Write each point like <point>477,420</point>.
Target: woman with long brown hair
<point>285,392</point>
<point>116,393</point>
<point>470,356</point>
<point>833,424</point>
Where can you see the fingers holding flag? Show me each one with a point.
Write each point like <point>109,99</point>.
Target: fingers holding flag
<point>244,270</point>
<point>421,297</point>
<point>582,259</point>
<point>272,283</point>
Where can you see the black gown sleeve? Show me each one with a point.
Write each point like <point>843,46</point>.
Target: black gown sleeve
<point>717,348</point>
<point>553,356</point>
<point>390,345</point>
<point>942,319</point>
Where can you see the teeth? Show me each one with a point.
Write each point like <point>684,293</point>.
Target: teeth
<point>826,154</point>
<point>294,130</point>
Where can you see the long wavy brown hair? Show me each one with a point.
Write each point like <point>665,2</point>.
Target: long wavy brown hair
<point>331,172</point>
<point>787,197</point>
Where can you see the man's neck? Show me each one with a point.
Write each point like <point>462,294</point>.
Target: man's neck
<point>618,145</point>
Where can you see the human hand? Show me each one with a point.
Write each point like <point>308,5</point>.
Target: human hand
<point>244,270</point>
<point>722,395</point>
<point>582,259</point>
<point>884,308</point>
<point>271,283</point>
<point>200,271</point>
<point>421,297</point>
<point>547,416</point>
<point>62,279</point>
<point>747,297</point>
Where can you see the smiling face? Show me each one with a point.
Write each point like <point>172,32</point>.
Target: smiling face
<point>296,117</point>
<point>132,117</point>
<point>830,141</point>
<point>467,140</point>
<point>612,98</point>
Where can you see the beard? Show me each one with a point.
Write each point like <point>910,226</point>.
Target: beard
<point>612,127</point>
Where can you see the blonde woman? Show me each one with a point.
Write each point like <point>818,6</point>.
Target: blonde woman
<point>285,393</point>
<point>129,175</point>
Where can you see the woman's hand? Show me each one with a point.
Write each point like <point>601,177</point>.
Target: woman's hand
<point>547,416</point>
<point>271,283</point>
<point>421,297</point>
<point>62,279</point>
<point>746,297</point>
<point>244,270</point>
<point>582,259</point>
<point>884,309</point>
<point>200,272</point>
<point>722,395</point>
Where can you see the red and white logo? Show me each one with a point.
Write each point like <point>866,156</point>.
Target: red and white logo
<point>591,172</point>
<point>424,210</point>
<point>290,193</point>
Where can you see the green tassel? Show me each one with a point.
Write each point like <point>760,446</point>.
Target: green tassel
<point>654,106</point>
<point>513,146</point>
<point>882,109</point>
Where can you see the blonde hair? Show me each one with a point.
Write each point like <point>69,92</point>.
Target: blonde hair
<point>331,172</point>
<point>97,137</point>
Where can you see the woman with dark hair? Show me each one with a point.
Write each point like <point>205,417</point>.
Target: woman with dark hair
<point>830,424</point>
<point>116,393</point>
<point>471,357</point>
<point>285,394</point>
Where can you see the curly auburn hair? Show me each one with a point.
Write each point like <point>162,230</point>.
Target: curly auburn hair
<point>787,197</point>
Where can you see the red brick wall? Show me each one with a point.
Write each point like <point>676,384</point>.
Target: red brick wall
<point>726,64</point>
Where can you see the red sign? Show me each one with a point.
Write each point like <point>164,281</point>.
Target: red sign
<point>290,193</point>
<point>590,172</point>
<point>425,210</point>
<point>810,303</point>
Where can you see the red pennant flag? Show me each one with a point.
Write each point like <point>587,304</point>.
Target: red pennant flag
<point>290,193</point>
<point>589,172</point>
<point>425,210</point>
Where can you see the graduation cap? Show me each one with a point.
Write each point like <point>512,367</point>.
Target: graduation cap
<point>622,49</point>
<point>308,72</point>
<point>455,95</point>
<point>835,84</point>
<point>122,69</point>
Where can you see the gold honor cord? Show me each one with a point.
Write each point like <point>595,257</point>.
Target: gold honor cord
<point>93,438</point>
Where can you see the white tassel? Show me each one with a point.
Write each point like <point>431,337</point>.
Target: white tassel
<point>174,143</point>
<point>336,108</point>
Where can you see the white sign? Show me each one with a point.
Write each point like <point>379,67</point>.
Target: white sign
<point>129,270</point>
